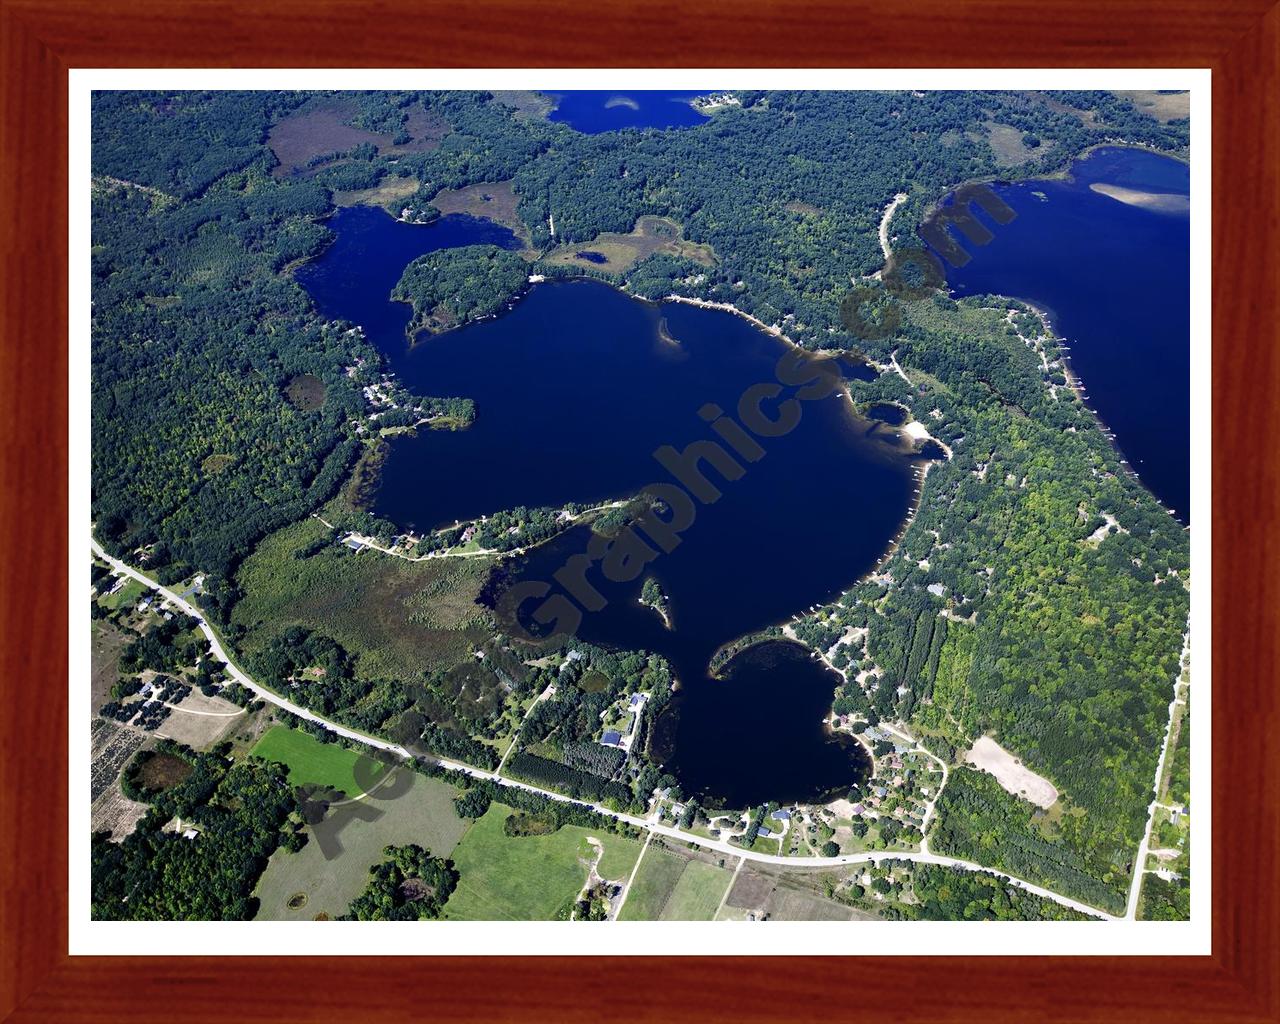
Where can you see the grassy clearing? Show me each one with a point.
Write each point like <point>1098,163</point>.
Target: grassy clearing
<point>162,771</point>
<point>493,200</point>
<point>305,392</point>
<point>1177,757</point>
<point>791,905</point>
<point>309,760</point>
<point>424,815</point>
<point>528,104</point>
<point>1163,106</point>
<point>658,876</point>
<point>619,857</point>
<point>797,206</point>
<point>697,893</point>
<point>299,138</point>
<point>385,193</point>
<point>104,659</point>
<point>216,463</point>
<point>1006,143</point>
<point>322,130</point>
<point>396,618</point>
<point>528,878</point>
<point>616,253</point>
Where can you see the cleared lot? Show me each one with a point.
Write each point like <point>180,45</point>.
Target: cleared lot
<point>530,877</point>
<point>1011,773</point>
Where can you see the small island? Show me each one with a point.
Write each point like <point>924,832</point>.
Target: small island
<point>651,596</point>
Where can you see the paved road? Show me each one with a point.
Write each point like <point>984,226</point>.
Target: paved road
<point>652,826</point>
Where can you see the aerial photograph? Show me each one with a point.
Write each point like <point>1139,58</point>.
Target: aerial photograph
<point>688,506</point>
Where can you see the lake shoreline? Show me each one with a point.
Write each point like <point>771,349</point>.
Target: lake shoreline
<point>1075,380</point>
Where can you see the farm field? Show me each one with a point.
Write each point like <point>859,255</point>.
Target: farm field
<point>424,815</point>
<point>697,893</point>
<point>780,894</point>
<point>659,872</point>
<point>528,878</point>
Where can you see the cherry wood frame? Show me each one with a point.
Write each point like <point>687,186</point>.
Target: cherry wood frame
<point>41,39</point>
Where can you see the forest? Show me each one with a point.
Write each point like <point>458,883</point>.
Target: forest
<point>239,813</point>
<point>979,821</point>
<point>930,892</point>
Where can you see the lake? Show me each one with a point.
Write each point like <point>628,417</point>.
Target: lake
<point>353,278</point>
<point>594,112</point>
<point>575,388</point>
<point>1115,280</point>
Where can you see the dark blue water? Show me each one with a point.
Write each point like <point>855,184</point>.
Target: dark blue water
<point>575,389</point>
<point>595,112</point>
<point>1115,279</point>
<point>353,279</point>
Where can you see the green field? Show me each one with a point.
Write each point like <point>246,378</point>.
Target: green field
<point>309,760</point>
<point>659,874</point>
<point>697,893</point>
<point>528,878</point>
<point>424,815</point>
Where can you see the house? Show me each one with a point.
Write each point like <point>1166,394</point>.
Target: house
<point>611,739</point>
<point>781,815</point>
<point>353,544</point>
<point>880,791</point>
<point>637,700</point>
<point>763,831</point>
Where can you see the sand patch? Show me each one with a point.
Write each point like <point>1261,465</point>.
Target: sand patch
<point>1011,773</point>
<point>1157,202</point>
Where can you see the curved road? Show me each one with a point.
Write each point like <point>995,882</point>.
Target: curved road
<point>649,824</point>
